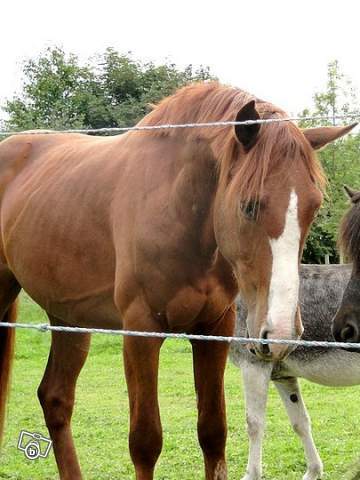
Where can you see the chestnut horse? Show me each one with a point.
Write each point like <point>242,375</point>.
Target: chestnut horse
<point>157,231</point>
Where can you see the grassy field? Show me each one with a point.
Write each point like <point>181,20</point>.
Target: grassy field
<point>100,419</point>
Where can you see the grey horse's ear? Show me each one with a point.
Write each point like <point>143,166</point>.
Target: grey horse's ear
<point>247,134</point>
<point>352,194</point>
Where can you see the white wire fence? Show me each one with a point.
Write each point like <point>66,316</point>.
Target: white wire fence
<point>355,117</point>
<point>44,327</point>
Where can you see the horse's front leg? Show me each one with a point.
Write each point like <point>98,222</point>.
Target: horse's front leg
<point>209,365</point>
<point>291,396</point>
<point>141,358</point>
<point>256,378</point>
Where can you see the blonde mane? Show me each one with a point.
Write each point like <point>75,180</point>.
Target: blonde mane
<point>277,144</point>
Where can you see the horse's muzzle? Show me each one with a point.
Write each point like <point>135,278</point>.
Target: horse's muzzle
<point>271,352</point>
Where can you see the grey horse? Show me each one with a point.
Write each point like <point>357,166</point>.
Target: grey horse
<point>321,289</point>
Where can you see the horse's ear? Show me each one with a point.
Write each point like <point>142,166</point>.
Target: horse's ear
<point>321,136</point>
<point>247,134</point>
<point>352,194</point>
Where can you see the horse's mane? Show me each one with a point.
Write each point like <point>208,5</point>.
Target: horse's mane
<point>277,144</point>
<point>349,236</point>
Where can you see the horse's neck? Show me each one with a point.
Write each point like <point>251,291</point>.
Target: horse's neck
<point>193,193</point>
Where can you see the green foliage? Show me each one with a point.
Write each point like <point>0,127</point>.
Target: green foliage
<point>53,93</point>
<point>131,86</point>
<point>340,162</point>
<point>112,90</point>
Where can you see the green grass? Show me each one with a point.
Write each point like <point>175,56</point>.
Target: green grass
<point>100,420</point>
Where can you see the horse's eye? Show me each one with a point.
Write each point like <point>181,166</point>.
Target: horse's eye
<point>250,209</point>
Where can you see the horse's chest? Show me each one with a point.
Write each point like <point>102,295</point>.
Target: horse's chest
<point>190,307</point>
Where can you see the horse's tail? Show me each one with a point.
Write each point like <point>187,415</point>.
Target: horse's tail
<point>7,341</point>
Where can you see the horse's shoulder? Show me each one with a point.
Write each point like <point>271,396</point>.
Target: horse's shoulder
<point>14,153</point>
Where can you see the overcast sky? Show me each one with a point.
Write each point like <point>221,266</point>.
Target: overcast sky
<point>276,49</point>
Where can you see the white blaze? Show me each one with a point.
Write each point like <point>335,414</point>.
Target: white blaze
<point>284,283</point>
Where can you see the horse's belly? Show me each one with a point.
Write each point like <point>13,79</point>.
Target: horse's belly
<point>61,255</point>
<point>67,290</point>
<point>91,310</point>
<point>72,280</point>
<point>336,368</point>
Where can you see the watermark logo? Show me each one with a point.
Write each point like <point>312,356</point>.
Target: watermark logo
<point>34,445</point>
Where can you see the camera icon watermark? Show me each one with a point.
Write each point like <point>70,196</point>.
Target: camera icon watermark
<point>34,445</point>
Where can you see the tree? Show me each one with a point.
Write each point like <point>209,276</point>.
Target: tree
<point>131,85</point>
<point>340,161</point>
<point>111,90</point>
<point>52,94</point>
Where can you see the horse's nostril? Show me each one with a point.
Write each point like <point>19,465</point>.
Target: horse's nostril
<point>347,332</point>
<point>265,347</point>
<point>350,332</point>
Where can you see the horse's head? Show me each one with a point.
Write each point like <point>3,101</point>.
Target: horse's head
<point>267,198</point>
<point>346,324</point>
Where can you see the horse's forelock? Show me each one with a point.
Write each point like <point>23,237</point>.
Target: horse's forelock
<point>279,148</point>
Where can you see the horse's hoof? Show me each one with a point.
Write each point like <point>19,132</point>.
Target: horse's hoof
<point>314,472</point>
<point>252,476</point>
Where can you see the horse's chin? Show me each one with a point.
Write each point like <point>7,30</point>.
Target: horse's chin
<point>263,356</point>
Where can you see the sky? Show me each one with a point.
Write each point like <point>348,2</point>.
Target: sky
<point>275,49</point>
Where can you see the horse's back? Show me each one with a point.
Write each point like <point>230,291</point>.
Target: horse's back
<point>55,218</point>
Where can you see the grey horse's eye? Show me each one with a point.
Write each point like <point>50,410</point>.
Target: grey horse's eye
<point>250,209</point>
